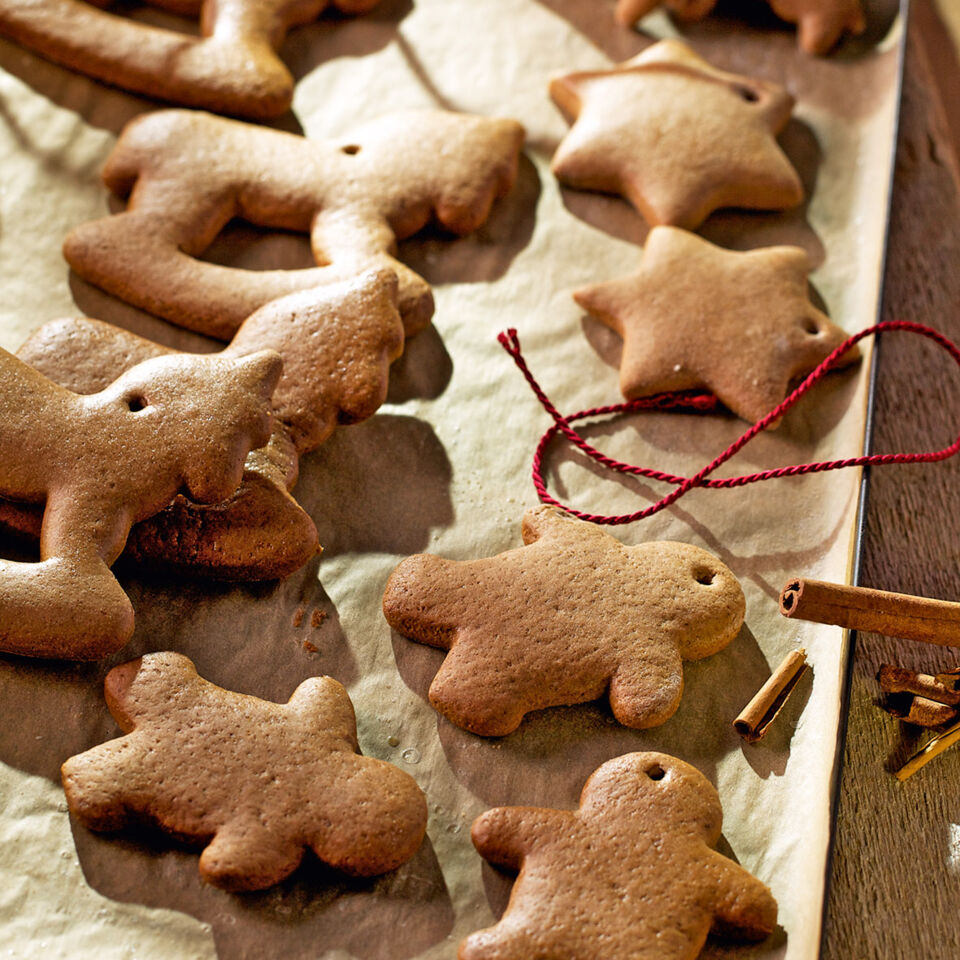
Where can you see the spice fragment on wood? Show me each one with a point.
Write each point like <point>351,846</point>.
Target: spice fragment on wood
<point>933,748</point>
<point>861,608</point>
<point>919,698</point>
<point>762,710</point>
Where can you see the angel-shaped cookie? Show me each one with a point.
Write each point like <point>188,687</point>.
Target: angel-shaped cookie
<point>232,68</point>
<point>337,343</point>
<point>100,463</point>
<point>676,137</point>
<point>630,875</point>
<point>569,617</point>
<point>257,783</point>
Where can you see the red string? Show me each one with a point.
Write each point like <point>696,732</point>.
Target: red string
<point>708,402</point>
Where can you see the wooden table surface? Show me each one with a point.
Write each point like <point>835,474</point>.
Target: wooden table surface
<point>895,878</point>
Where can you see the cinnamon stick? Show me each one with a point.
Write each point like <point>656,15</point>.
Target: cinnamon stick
<point>895,679</point>
<point>933,748</point>
<point>860,608</point>
<point>762,710</point>
<point>920,711</point>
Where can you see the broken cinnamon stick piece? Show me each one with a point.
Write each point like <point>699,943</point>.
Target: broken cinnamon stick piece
<point>919,711</point>
<point>761,711</point>
<point>933,748</point>
<point>860,608</point>
<point>895,679</point>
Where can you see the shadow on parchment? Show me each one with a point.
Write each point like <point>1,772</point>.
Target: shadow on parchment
<point>485,254</point>
<point>549,757</point>
<point>261,639</point>
<point>732,229</point>
<point>315,910</point>
<point>380,486</point>
<point>111,108</point>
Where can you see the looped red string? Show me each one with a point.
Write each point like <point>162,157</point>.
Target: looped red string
<point>706,402</point>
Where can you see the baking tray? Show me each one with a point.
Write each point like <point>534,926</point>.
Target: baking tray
<point>444,467</point>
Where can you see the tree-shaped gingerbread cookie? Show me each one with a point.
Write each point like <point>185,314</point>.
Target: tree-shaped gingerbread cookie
<point>569,617</point>
<point>630,875</point>
<point>255,782</point>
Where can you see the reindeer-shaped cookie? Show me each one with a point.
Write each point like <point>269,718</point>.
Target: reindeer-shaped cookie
<point>102,462</point>
<point>255,782</point>
<point>337,343</point>
<point>232,68</point>
<point>630,875</point>
<point>189,173</point>
<point>571,616</point>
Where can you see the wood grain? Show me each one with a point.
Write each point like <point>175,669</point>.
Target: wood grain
<point>895,877</point>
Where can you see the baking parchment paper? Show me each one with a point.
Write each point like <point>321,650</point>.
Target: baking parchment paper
<point>444,467</point>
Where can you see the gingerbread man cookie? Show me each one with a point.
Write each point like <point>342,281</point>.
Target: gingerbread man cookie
<point>630,875</point>
<point>821,22</point>
<point>232,68</point>
<point>695,315</point>
<point>676,137</point>
<point>102,462</point>
<point>569,617</point>
<point>337,343</point>
<point>189,173</point>
<point>255,782</point>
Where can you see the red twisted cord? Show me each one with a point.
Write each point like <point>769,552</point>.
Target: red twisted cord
<point>706,402</point>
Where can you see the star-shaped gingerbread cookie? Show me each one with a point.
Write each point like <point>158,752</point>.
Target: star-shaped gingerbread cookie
<point>695,315</point>
<point>630,875</point>
<point>569,617</point>
<point>821,22</point>
<point>676,137</point>
<point>255,782</point>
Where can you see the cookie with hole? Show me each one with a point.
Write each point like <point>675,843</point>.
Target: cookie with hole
<point>573,615</point>
<point>694,315</point>
<point>630,875</point>
<point>676,137</point>
<point>96,464</point>
<point>337,343</point>
<point>187,174</point>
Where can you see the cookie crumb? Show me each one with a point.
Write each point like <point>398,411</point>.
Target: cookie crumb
<point>317,617</point>
<point>298,617</point>
<point>310,647</point>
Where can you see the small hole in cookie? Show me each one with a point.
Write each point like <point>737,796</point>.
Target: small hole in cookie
<point>704,576</point>
<point>746,93</point>
<point>352,149</point>
<point>136,404</point>
<point>656,772</point>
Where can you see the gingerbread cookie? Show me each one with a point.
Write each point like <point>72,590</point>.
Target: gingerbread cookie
<point>821,22</point>
<point>630,875</point>
<point>189,173</point>
<point>255,782</point>
<point>569,617</point>
<point>695,315</point>
<point>337,343</point>
<point>676,137</point>
<point>102,462</point>
<point>232,68</point>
